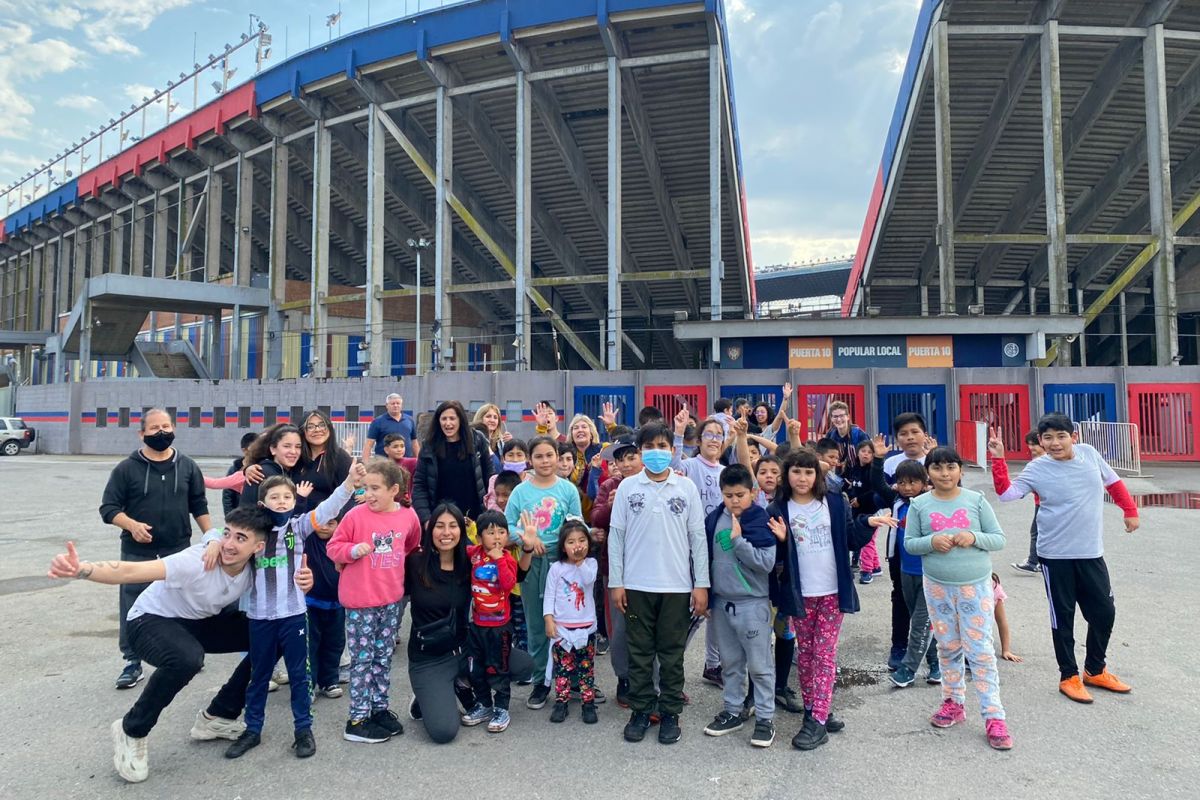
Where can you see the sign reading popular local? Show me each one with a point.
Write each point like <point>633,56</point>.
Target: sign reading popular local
<point>870,352</point>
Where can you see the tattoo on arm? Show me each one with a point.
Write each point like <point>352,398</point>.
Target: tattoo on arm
<point>85,571</point>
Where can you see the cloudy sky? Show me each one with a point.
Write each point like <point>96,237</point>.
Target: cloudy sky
<point>816,81</point>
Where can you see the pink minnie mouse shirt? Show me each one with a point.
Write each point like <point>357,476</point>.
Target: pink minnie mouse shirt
<point>376,579</point>
<point>928,517</point>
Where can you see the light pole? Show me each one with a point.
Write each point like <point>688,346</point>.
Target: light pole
<point>420,245</point>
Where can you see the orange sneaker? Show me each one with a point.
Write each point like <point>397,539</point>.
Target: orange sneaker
<point>1106,680</point>
<point>1073,688</point>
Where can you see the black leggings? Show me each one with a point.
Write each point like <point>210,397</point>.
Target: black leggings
<point>439,691</point>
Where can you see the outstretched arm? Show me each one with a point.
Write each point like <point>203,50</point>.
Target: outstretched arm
<point>68,565</point>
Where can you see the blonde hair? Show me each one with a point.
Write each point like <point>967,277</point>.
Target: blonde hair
<point>494,439</point>
<point>591,428</point>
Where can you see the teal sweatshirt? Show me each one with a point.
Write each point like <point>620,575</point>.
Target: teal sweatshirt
<point>928,516</point>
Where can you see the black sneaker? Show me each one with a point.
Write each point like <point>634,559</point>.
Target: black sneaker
<point>713,676</point>
<point>601,645</point>
<point>764,733</point>
<point>598,695</point>
<point>388,721</point>
<point>559,714</point>
<point>305,745</point>
<point>623,692</point>
<point>523,682</point>
<point>787,699</point>
<point>635,729</point>
<point>832,724</point>
<point>414,709</point>
<point>589,714</point>
<point>723,723</point>
<point>364,730</point>
<point>130,676</point>
<point>811,736</point>
<point>537,698</point>
<point>243,744</point>
<point>668,729</point>
<point>1025,568</point>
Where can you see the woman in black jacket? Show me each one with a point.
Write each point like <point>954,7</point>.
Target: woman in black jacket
<point>279,451</point>
<point>325,464</point>
<point>454,466</point>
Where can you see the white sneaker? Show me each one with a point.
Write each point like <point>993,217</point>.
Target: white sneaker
<point>272,685</point>
<point>130,756</point>
<point>280,676</point>
<point>207,728</point>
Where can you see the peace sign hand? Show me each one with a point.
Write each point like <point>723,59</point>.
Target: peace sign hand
<point>995,444</point>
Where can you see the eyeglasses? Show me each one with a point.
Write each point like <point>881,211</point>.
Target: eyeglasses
<point>712,437</point>
<point>839,416</point>
<point>316,426</point>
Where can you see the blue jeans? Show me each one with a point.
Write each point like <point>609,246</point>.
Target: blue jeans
<point>270,638</point>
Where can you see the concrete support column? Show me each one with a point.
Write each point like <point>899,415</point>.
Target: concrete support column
<point>277,260</point>
<point>79,269</point>
<point>924,291</point>
<point>244,220</point>
<point>48,284</point>
<point>183,222</point>
<point>524,213</point>
<point>116,242</point>
<point>1083,334</point>
<point>1124,320</point>
<point>376,175</point>
<point>212,226</point>
<point>235,345</point>
<point>137,240</point>
<point>612,328</point>
<point>322,144</point>
<point>945,168</point>
<point>443,248</point>
<point>85,341</point>
<point>162,205</point>
<point>715,265</point>
<point>96,246</point>
<point>1158,146</point>
<point>1052,157</point>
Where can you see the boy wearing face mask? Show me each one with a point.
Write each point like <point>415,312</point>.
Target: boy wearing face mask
<point>150,496</point>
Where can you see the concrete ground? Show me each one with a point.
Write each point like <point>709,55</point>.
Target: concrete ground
<point>58,648</point>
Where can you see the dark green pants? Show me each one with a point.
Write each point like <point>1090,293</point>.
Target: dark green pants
<point>657,626</point>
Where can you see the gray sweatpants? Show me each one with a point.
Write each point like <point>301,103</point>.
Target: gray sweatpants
<point>743,633</point>
<point>920,635</point>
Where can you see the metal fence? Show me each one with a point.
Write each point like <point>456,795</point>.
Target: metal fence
<point>1117,443</point>
<point>351,435</point>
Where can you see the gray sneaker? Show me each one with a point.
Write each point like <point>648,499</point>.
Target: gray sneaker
<point>499,720</point>
<point>764,733</point>
<point>478,714</point>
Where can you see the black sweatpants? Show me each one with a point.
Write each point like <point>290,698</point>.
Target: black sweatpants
<point>1032,559</point>
<point>900,616</point>
<point>177,648</point>
<point>127,593</point>
<point>1083,582</point>
<point>490,649</point>
<point>326,640</point>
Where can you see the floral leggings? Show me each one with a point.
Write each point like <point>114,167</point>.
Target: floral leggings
<point>575,667</point>
<point>962,625</point>
<point>371,638</point>
<point>816,652</point>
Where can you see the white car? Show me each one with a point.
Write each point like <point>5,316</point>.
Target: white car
<point>15,435</point>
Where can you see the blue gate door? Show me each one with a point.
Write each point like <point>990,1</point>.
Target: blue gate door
<point>928,400</point>
<point>771,395</point>
<point>590,400</point>
<point>1082,402</point>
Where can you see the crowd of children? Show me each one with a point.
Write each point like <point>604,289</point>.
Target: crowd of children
<point>628,542</point>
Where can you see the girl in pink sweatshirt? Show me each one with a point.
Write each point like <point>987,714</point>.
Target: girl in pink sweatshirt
<point>372,542</point>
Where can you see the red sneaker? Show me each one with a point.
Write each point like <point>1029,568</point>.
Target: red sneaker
<point>998,736</point>
<point>949,714</point>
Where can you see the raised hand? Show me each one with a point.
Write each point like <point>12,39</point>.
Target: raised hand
<point>348,443</point>
<point>787,390</point>
<point>608,415</point>
<point>304,488</point>
<point>304,575</point>
<point>879,445</point>
<point>929,444</point>
<point>596,461</point>
<point>740,427</point>
<point>681,420</point>
<point>995,443</point>
<point>66,565</point>
<point>529,536</point>
<point>778,527</point>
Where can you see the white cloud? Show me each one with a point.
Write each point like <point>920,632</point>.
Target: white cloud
<point>106,25</point>
<point>79,102</point>
<point>23,60</point>
<point>772,247</point>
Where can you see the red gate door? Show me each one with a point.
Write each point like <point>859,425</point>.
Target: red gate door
<point>813,408</point>
<point>999,405</point>
<point>1164,414</point>
<point>669,399</point>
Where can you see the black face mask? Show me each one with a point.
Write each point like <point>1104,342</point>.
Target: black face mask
<point>278,518</point>
<point>159,441</point>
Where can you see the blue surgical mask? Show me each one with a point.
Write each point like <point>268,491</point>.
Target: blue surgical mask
<point>513,466</point>
<point>656,461</point>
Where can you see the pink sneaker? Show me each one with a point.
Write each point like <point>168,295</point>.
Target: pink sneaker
<point>950,713</point>
<point>997,735</point>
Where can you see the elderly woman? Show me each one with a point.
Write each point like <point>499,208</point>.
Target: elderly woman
<point>490,421</point>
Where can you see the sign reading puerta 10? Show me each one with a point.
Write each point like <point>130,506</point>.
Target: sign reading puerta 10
<point>870,351</point>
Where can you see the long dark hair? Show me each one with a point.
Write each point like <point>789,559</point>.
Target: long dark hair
<point>572,525</point>
<point>261,449</point>
<point>436,440</point>
<point>334,458</point>
<point>429,561</point>
<point>801,458</point>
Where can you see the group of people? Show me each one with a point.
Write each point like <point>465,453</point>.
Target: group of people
<point>524,561</point>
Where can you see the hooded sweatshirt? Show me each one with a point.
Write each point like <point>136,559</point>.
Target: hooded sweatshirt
<point>161,494</point>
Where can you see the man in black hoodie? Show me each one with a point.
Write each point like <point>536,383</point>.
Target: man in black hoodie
<point>150,496</point>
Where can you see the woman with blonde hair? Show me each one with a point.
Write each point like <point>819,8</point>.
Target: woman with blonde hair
<point>492,421</point>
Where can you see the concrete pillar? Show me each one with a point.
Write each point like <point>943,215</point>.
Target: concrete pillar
<point>183,217</point>
<point>116,243</point>
<point>376,173</point>
<point>243,221</point>
<point>1124,319</point>
<point>319,312</point>
<point>612,328</point>
<point>1158,146</point>
<point>137,240</point>
<point>945,168</point>
<point>162,206</point>
<point>1083,334</point>
<point>85,341</point>
<point>443,247</point>
<point>212,225</point>
<point>96,247</point>
<point>1052,157</point>
<point>49,283</point>
<point>277,260</point>
<point>524,231</point>
<point>715,266</point>
<point>78,267</point>
<point>235,345</point>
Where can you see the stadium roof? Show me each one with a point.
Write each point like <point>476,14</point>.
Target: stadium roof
<point>797,283</point>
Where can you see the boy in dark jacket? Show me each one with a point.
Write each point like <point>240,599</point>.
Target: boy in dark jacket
<point>742,556</point>
<point>232,498</point>
<point>326,617</point>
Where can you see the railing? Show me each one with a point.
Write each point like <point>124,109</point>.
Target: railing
<point>351,436</point>
<point>1117,443</point>
<point>970,439</point>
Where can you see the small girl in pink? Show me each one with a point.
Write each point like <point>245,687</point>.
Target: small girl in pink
<point>372,542</point>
